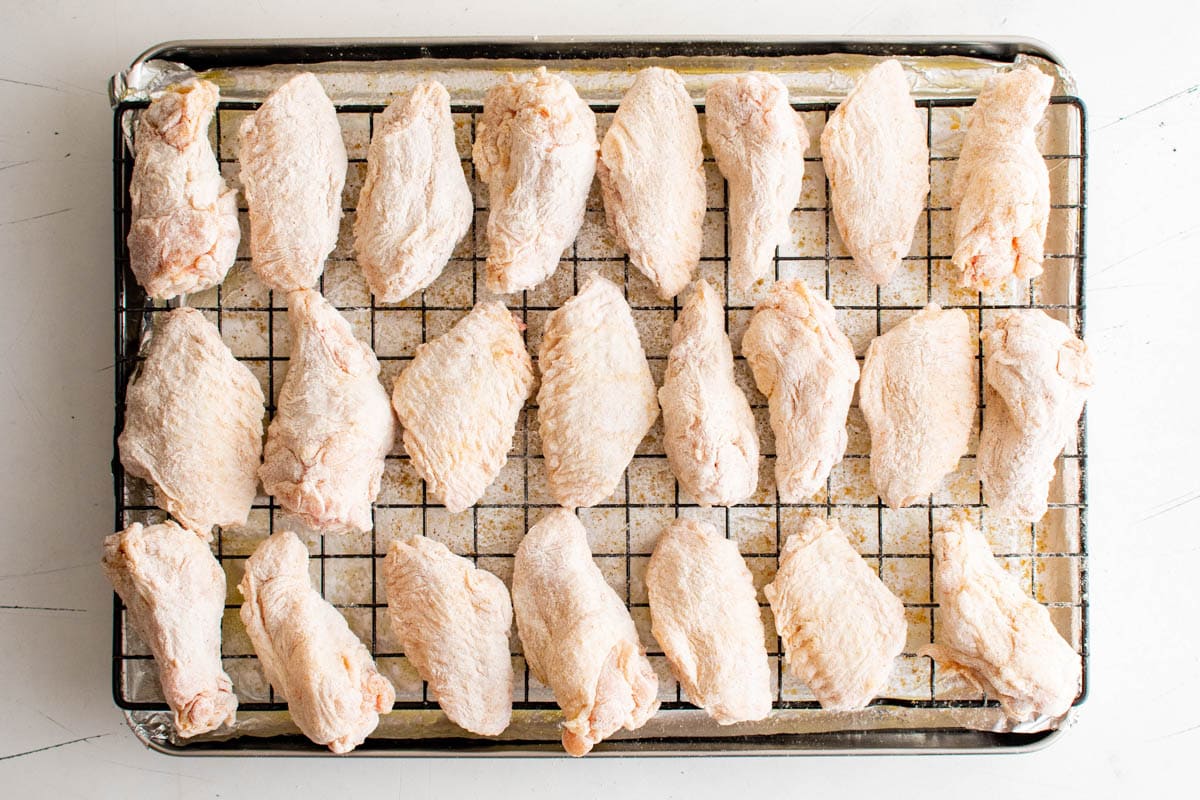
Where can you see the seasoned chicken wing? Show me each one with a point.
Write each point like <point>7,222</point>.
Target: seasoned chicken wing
<point>597,400</point>
<point>535,148</point>
<point>1037,375</point>
<point>453,619</point>
<point>174,593</point>
<point>759,144</point>
<point>577,635</point>
<point>307,651</point>
<point>184,233</point>
<point>1001,187</point>
<point>459,400</point>
<point>805,366</point>
<point>876,157</point>
<point>991,633</point>
<point>841,627</point>
<point>293,168</point>
<point>652,178</point>
<point>918,398</point>
<point>193,424</point>
<point>709,429</point>
<point>333,426</point>
<point>704,611</point>
<point>415,204</point>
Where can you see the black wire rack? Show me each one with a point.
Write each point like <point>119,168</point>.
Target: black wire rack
<point>1049,556</point>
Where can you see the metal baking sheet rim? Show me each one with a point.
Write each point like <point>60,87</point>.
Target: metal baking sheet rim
<point>365,49</point>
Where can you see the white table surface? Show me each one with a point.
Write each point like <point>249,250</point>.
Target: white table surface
<point>60,735</point>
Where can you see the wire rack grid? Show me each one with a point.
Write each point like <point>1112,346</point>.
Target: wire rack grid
<point>1049,557</point>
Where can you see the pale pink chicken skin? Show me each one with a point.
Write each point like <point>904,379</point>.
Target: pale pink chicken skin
<point>841,627</point>
<point>917,396</point>
<point>759,144</point>
<point>709,429</point>
<point>1037,375</point>
<point>651,174</point>
<point>458,402</point>
<point>333,426</point>
<point>193,424</point>
<point>307,651</point>
<point>1001,187</point>
<point>991,633</point>
<point>184,232</point>
<point>415,204</point>
<point>577,635</point>
<point>453,620</point>
<point>705,615</point>
<point>597,399</point>
<point>535,148</point>
<point>293,169</point>
<point>805,366</point>
<point>876,157</point>
<point>174,594</point>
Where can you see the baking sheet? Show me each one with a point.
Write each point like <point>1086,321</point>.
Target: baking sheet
<point>919,708</point>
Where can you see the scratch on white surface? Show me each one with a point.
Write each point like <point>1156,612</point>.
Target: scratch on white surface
<point>37,216</point>
<point>1172,504</point>
<point>53,746</point>
<point>33,85</point>
<point>1169,98</point>
<point>11,164</point>
<point>35,573</point>
<point>42,608</point>
<point>1148,248</point>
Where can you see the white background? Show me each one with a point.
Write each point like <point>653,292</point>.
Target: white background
<point>1138,69</point>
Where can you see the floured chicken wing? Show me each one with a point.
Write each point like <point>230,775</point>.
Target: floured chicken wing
<point>324,455</point>
<point>415,204</point>
<point>841,627</point>
<point>876,157</point>
<point>577,635</point>
<point>597,399</point>
<point>709,429</point>
<point>1037,376</point>
<point>293,168</point>
<point>918,398</point>
<point>174,593</point>
<point>184,234</point>
<point>193,424</point>
<point>759,144</point>
<point>991,633</point>
<point>453,621</point>
<point>704,611</point>
<point>459,400</point>
<point>1001,187</point>
<point>307,651</point>
<point>651,174</point>
<point>535,148</point>
<point>805,366</point>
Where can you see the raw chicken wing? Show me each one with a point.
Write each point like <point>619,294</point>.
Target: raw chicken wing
<point>1001,187</point>
<point>918,398</point>
<point>184,234</point>
<point>193,424</point>
<point>453,619</point>
<point>876,156</point>
<point>709,432</point>
<point>307,651</point>
<point>652,177</point>
<point>535,148</point>
<point>174,593</point>
<point>415,204</point>
<point>577,635</point>
<point>1037,375</point>
<point>323,460</point>
<point>841,627</point>
<point>805,366</point>
<point>705,614</point>
<point>293,168</point>
<point>991,633</point>
<point>597,400</point>
<point>759,144</point>
<point>459,400</point>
